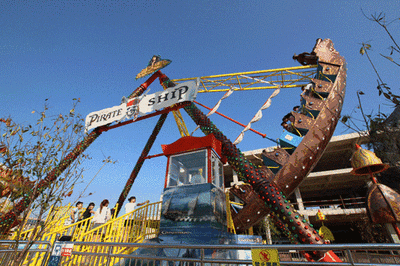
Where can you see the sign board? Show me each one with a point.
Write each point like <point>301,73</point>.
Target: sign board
<point>246,240</point>
<point>180,93</point>
<point>265,257</point>
<point>138,106</point>
<point>66,250</point>
<point>60,250</point>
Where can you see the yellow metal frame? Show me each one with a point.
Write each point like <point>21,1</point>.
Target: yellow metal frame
<point>180,123</point>
<point>289,77</point>
<point>55,220</point>
<point>55,224</point>
<point>132,227</point>
<point>229,220</point>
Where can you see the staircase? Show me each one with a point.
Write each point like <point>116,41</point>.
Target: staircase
<point>54,221</point>
<point>134,227</point>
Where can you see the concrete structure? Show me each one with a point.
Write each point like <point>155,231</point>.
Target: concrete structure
<point>331,188</point>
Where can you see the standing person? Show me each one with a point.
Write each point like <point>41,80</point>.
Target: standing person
<point>87,214</point>
<point>74,214</point>
<point>101,216</point>
<point>130,207</point>
<point>73,217</point>
<point>132,204</point>
<point>83,226</point>
<point>89,211</point>
<point>198,177</point>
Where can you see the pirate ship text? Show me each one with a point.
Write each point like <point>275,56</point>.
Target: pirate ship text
<point>133,107</point>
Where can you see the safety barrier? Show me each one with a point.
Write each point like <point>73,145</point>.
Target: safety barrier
<point>56,224</point>
<point>343,203</point>
<point>108,253</point>
<point>351,254</point>
<point>54,221</point>
<point>11,249</point>
<point>50,237</point>
<point>67,231</point>
<point>134,227</point>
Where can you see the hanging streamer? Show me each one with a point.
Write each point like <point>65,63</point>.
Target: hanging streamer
<point>215,108</point>
<point>258,115</point>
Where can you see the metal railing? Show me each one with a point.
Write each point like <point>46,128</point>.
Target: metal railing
<point>107,253</point>
<point>215,255</point>
<point>343,203</point>
<point>141,224</point>
<point>54,223</point>
<point>10,250</point>
<point>57,225</point>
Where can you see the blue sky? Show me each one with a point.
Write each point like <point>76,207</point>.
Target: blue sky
<point>93,50</point>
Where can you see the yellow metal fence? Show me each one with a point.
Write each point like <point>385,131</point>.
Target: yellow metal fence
<point>55,220</point>
<point>143,223</point>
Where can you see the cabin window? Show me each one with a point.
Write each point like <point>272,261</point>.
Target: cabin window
<point>187,169</point>
<point>216,171</point>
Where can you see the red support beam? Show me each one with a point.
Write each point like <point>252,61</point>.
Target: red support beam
<point>230,119</point>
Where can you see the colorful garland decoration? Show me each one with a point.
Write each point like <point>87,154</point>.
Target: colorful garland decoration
<point>274,199</point>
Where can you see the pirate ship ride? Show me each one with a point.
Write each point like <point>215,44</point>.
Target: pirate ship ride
<point>190,205</point>
<point>290,163</point>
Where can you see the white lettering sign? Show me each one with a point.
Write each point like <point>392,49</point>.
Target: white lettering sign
<point>181,93</point>
<point>105,116</point>
<point>62,249</point>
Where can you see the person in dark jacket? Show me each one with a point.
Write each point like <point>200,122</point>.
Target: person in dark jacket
<point>88,212</point>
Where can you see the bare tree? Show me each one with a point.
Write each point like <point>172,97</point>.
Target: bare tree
<point>383,128</point>
<point>29,154</point>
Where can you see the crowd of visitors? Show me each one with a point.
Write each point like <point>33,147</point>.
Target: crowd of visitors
<point>100,216</point>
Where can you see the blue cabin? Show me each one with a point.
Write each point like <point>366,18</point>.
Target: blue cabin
<point>194,203</point>
<point>193,197</point>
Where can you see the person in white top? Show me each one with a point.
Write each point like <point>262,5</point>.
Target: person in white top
<point>129,221</point>
<point>73,217</point>
<point>132,204</point>
<point>101,216</point>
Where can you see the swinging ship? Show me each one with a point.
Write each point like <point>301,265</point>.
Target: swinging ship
<point>288,165</point>
<point>284,169</point>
